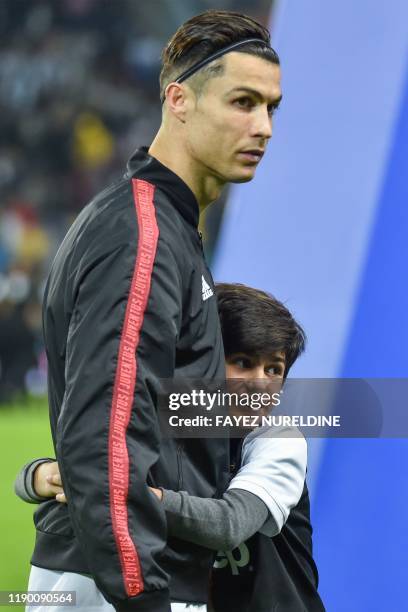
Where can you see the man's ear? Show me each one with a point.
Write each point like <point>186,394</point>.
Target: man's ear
<point>176,100</point>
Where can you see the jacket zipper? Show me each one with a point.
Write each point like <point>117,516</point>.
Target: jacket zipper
<point>180,466</point>
<point>200,235</point>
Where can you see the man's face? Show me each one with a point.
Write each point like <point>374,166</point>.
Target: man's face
<point>230,123</point>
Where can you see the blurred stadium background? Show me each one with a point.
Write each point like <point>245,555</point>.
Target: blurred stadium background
<point>324,227</point>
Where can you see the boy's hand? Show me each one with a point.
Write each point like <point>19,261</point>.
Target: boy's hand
<point>158,493</point>
<point>47,481</point>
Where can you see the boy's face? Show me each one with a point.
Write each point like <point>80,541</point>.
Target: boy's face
<point>255,375</point>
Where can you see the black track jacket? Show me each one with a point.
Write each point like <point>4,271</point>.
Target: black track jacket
<point>129,300</point>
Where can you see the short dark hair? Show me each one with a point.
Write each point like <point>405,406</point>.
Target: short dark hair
<point>255,323</point>
<point>205,34</point>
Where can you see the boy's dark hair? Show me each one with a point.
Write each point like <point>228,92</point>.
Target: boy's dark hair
<point>255,323</point>
<point>203,35</point>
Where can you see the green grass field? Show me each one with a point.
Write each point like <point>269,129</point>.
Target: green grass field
<point>24,435</point>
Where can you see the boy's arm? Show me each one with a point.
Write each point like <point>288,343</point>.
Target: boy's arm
<point>218,524</point>
<point>214,523</point>
<point>268,485</point>
<point>274,469</point>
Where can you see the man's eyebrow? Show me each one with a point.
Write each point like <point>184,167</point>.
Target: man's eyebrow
<point>275,103</point>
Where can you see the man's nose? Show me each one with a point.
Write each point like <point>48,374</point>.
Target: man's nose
<point>263,124</point>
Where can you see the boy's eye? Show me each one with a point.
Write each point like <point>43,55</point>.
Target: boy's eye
<point>243,362</point>
<point>275,370</point>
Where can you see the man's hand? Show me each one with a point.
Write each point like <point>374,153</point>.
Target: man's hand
<point>47,481</point>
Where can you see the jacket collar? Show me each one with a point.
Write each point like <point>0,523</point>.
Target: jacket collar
<point>143,166</point>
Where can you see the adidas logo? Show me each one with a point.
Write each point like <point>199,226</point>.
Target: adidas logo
<point>207,292</point>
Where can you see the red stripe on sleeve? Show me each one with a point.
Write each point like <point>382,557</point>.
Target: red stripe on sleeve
<point>125,382</point>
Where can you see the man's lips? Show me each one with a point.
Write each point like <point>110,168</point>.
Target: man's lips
<point>252,155</point>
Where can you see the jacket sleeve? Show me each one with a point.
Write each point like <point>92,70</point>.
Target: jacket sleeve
<point>274,469</point>
<point>217,524</point>
<point>24,482</point>
<point>122,339</point>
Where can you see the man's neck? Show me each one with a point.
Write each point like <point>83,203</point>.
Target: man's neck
<point>205,186</point>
